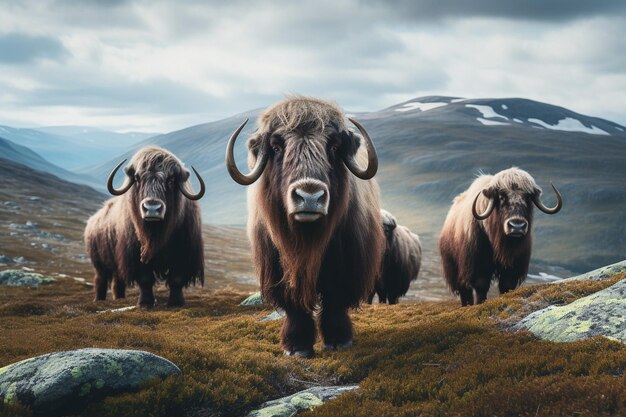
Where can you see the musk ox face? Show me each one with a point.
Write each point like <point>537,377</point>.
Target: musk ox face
<point>510,198</point>
<point>303,148</point>
<point>157,183</point>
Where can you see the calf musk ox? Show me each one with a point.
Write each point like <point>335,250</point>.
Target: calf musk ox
<point>314,221</point>
<point>151,230</point>
<point>401,262</point>
<point>487,234</point>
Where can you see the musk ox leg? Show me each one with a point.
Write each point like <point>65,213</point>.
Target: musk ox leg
<point>467,296</point>
<point>298,333</point>
<point>382,296</point>
<point>146,296</point>
<point>336,328</point>
<point>370,298</point>
<point>480,294</point>
<point>176,298</point>
<point>393,300</point>
<point>101,285</point>
<point>119,288</point>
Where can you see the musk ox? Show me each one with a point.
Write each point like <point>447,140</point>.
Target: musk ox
<point>151,230</point>
<point>401,262</point>
<point>314,220</point>
<point>487,234</point>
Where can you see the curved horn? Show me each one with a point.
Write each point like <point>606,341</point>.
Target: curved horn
<point>122,190</point>
<point>547,210</point>
<point>234,172</point>
<point>487,211</point>
<point>194,197</point>
<point>372,158</point>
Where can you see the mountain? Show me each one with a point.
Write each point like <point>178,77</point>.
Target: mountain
<point>73,147</point>
<point>431,148</point>
<point>25,156</point>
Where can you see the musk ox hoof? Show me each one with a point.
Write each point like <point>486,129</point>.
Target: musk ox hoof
<point>306,354</point>
<point>338,346</point>
<point>145,306</point>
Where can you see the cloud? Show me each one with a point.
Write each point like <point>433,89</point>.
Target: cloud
<point>20,48</point>
<point>539,10</point>
<point>167,63</point>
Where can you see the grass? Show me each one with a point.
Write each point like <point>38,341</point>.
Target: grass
<point>434,359</point>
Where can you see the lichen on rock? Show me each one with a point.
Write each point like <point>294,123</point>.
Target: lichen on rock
<point>59,382</point>
<point>600,314</point>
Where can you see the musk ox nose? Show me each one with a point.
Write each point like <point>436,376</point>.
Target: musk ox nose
<point>517,227</point>
<point>152,209</point>
<point>308,200</point>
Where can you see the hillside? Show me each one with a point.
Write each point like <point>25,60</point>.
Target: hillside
<point>431,148</point>
<point>23,155</point>
<point>430,358</point>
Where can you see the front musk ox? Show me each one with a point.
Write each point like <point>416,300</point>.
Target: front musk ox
<point>487,234</point>
<point>314,221</point>
<point>151,230</point>
<point>401,262</point>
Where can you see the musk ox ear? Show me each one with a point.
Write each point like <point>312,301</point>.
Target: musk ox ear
<point>254,143</point>
<point>129,170</point>
<point>490,192</point>
<point>184,175</point>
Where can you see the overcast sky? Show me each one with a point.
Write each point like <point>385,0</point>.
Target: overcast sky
<point>160,66</point>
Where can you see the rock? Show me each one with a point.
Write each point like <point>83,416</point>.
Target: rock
<point>6,260</point>
<point>14,277</point>
<point>62,382</point>
<point>253,300</point>
<point>599,314</point>
<point>598,274</point>
<point>300,401</point>
<point>275,315</point>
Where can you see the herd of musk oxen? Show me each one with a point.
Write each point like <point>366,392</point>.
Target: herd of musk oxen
<point>320,241</point>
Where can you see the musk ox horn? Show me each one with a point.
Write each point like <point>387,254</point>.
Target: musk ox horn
<point>198,196</point>
<point>372,158</point>
<point>122,190</point>
<point>487,211</point>
<point>234,172</point>
<point>547,210</point>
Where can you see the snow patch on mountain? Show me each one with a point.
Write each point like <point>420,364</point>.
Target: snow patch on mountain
<point>570,125</point>
<point>487,111</point>
<point>416,105</point>
<point>491,122</point>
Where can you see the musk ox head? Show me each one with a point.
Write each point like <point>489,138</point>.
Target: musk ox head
<point>507,203</point>
<point>305,151</point>
<point>155,186</point>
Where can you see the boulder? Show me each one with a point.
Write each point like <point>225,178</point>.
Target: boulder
<point>62,382</point>
<point>598,274</point>
<point>253,300</point>
<point>15,277</point>
<point>275,315</point>
<point>600,314</point>
<point>300,401</point>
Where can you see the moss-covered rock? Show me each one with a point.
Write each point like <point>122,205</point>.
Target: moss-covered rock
<point>63,381</point>
<point>303,400</point>
<point>254,300</point>
<point>599,314</point>
<point>598,274</point>
<point>15,277</point>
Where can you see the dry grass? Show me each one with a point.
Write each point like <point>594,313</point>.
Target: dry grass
<point>432,358</point>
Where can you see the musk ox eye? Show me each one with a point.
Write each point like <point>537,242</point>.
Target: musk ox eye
<point>137,177</point>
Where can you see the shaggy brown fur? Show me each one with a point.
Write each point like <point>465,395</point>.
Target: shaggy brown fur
<point>125,249</point>
<point>401,262</point>
<point>473,252</point>
<point>332,261</point>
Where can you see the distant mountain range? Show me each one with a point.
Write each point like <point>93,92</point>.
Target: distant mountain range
<point>73,147</point>
<point>431,148</point>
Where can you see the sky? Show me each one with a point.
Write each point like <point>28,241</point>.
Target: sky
<point>158,66</point>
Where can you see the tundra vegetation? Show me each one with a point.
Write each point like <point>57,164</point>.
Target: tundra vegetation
<point>435,358</point>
